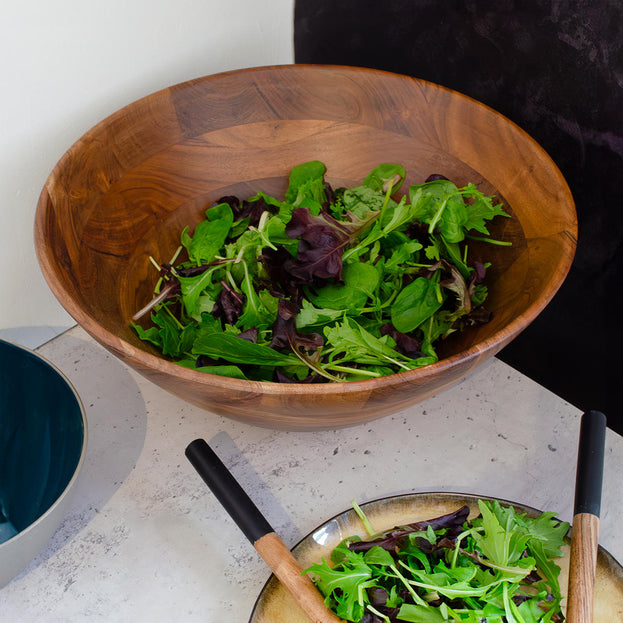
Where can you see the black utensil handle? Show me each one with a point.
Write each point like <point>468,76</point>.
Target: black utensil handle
<point>589,473</point>
<point>227,490</point>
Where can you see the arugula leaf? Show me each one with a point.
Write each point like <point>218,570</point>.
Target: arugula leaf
<point>402,254</point>
<point>549,532</point>
<point>501,544</point>
<point>328,579</point>
<point>194,288</point>
<point>362,346</point>
<point>481,209</point>
<point>392,216</point>
<point>343,584</point>
<point>170,331</point>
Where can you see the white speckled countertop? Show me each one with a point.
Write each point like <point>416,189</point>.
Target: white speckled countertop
<point>145,540</point>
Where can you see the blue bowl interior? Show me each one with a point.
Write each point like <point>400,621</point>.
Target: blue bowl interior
<point>41,437</point>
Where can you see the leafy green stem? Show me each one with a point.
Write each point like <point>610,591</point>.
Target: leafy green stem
<point>500,243</point>
<point>312,365</point>
<point>380,615</point>
<point>435,220</point>
<point>407,585</point>
<point>368,241</point>
<point>174,318</point>
<point>363,518</point>
<point>349,370</point>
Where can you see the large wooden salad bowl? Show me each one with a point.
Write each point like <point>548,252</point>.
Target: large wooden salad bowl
<point>130,185</point>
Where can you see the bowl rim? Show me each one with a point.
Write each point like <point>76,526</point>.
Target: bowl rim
<point>149,361</point>
<point>83,450</point>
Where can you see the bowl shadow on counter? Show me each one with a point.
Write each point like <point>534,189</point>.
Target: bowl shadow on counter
<point>117,422</point>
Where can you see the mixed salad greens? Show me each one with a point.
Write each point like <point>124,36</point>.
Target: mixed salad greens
<point>495,568</point>
<point>327,284</point>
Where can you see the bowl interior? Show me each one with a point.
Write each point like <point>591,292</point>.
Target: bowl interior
<point>42,437</point>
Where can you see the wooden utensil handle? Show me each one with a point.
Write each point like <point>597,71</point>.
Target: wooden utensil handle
<point>257,529</point>
<point>288,571</point>
<point>584,543</point>
<point>227,490</point>
<point>585,531</point>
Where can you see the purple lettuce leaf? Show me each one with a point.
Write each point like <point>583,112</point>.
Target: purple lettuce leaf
<point>405,344</point>
<point>452,522</point>
<point>229,304</point>
<point>322,241</point>
<point>285,333</point>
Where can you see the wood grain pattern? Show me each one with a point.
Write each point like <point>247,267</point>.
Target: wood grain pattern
<point>288,571</point>
<point>584,547</point>
<point>130,185</point>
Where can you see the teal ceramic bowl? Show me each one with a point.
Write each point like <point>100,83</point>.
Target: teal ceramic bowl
<point>43,435</point>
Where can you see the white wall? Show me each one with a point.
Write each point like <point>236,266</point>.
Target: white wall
<point>67,64</point>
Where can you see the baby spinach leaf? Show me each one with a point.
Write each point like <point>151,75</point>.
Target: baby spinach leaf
<point>359,283</point>
<point>209,235</point>
<point>415,303</point>
<point>232,372</point>
<point>310,316</point>
<point>152,334</point>
<point>169,331</point>
<point>231,348</point>
<point>378,556</point>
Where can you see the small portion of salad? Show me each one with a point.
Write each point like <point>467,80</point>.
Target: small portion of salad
<point>327,284</point>
<point>495,568</point>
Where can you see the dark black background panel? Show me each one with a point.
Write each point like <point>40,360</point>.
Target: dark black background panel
<point>556,69</point>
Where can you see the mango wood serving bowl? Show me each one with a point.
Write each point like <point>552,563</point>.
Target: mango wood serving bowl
<point>130,185</point>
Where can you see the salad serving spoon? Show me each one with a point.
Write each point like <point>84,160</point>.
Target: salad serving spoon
<point>587,507</point>
<point>258,531</point>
